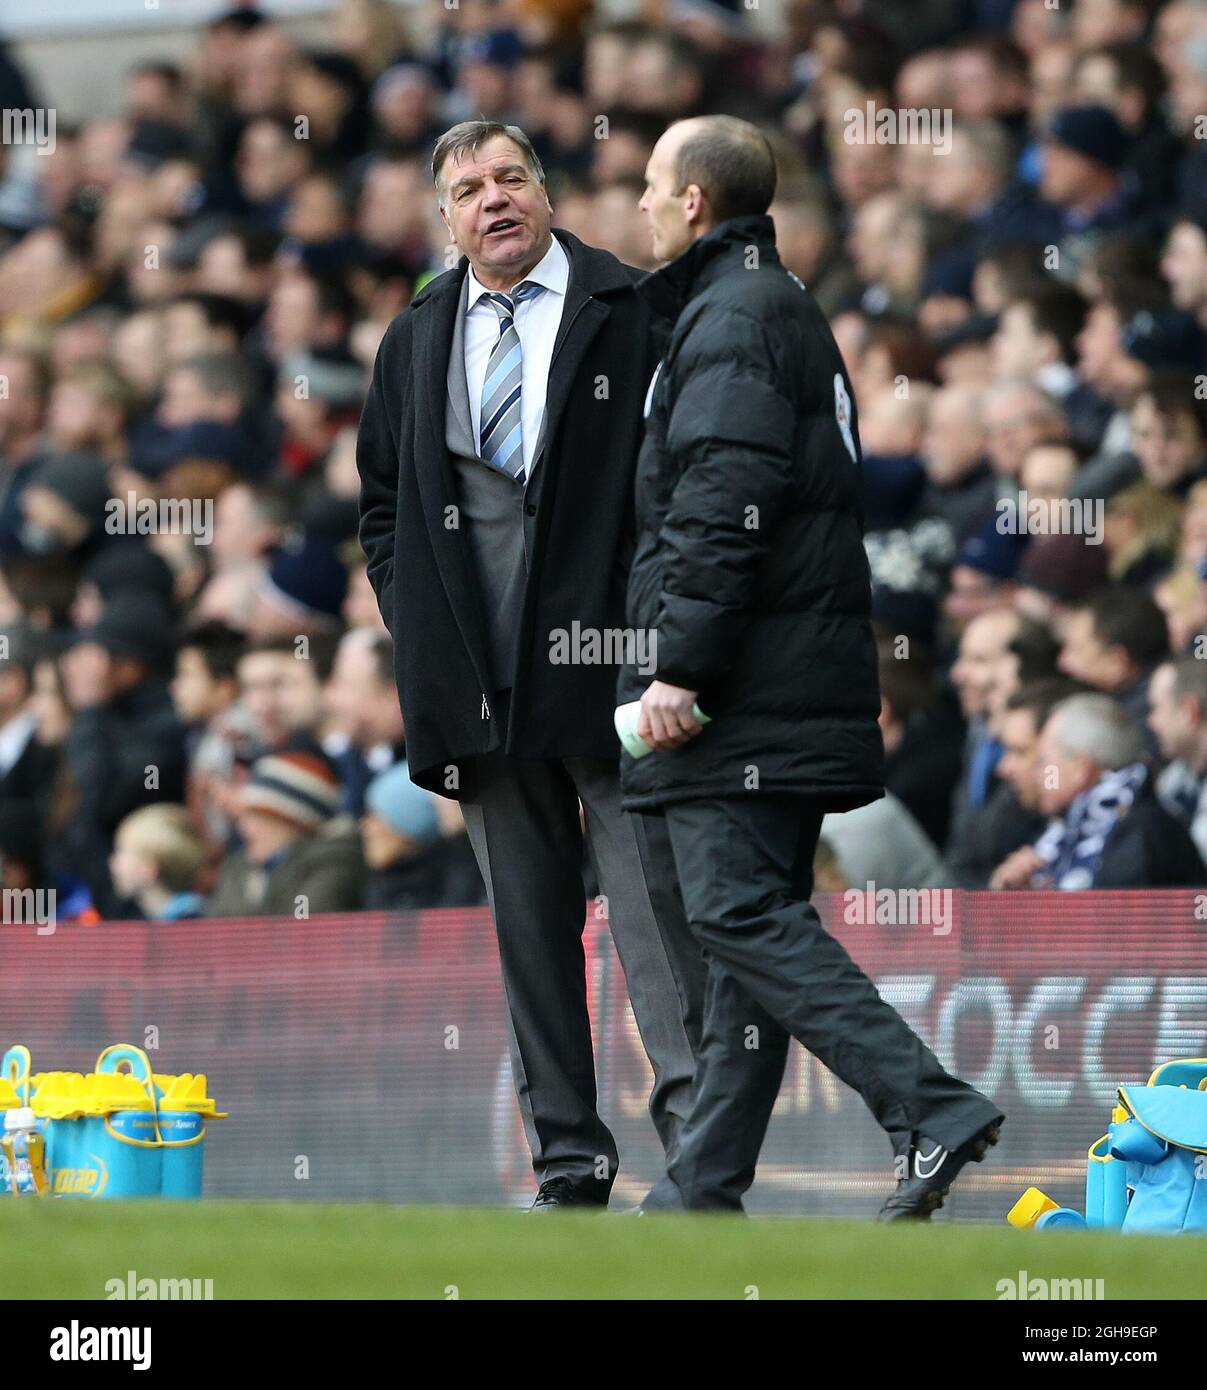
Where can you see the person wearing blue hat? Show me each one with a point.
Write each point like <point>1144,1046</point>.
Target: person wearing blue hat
<point>1166,340</point>
<point>1094,135</point>
<point>412,862</point>
<point>400,835</point>
<point>982,576</point>
<point>302,590</point>
<point>1084,153</point>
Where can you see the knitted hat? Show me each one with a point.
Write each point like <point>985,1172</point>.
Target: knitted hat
<point>299,787</point>
<point>80,479</point>
<point>135,625</point>
<point>993,552</point>
<point>133,567</point>
<point>1169,339</point>
<point>1093,131</point>
<point>337,67</point>
<point>406,808</point>
<point>906,611</point>
<point>153,143</point>
<point>892,487</point>
<point>338,520</point>
<point>310,576</point>
<point>977,328</point>
<point>502,47</point>
<point>1065,566</point>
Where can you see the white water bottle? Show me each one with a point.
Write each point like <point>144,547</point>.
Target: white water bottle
<point>625,718</point>
<point>24,1152</point>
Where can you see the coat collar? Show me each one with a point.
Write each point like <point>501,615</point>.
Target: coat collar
<point>717,252</point>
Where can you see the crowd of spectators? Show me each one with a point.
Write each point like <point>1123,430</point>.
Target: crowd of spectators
<point>197,713</point>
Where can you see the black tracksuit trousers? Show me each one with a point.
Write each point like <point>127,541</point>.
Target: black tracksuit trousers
<point>745,868</point>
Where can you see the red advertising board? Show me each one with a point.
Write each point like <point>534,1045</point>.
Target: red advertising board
<point>365,1057</point>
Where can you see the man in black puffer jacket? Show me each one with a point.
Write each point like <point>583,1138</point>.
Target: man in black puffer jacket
<point>751,572</point>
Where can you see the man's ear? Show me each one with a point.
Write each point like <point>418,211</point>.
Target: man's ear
<point>696,206</point>
<point>448,226</point>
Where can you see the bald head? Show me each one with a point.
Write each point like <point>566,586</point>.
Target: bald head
<point>955,434</point>
<point>731,162</point>
<point>705,171</point>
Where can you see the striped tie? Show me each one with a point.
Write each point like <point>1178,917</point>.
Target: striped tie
<point>500,438</point>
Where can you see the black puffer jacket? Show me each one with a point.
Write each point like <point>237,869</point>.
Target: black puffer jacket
<point>750,563</point>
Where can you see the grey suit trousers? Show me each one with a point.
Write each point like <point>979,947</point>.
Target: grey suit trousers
<point>524,824</point>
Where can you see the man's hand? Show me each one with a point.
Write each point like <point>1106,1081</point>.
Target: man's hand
<point>666,719</point>
<point>1016,870</point>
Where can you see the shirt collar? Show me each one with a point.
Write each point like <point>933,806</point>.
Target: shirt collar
<point>552,271</point>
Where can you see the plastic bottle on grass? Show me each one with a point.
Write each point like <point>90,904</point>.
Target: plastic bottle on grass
<point>25,1153</point>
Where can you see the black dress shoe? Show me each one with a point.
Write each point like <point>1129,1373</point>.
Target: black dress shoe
<point>555,1193</point>
<point>932,1170</point>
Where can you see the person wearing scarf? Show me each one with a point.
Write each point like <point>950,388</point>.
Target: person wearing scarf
<point>1107,828</point>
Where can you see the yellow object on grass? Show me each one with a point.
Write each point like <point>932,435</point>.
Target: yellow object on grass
<point>1029,1208</point>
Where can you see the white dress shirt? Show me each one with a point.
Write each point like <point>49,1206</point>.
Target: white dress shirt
<point>536,321</point>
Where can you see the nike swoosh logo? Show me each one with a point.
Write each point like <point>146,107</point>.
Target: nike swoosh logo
<point>927,1165</point>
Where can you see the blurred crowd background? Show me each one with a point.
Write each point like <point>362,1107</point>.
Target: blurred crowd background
<point>200,719</point>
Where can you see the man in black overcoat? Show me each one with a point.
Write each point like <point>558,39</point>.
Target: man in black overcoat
<point>496,451</point>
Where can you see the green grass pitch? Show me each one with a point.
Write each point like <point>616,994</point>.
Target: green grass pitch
<point>302,1250</point>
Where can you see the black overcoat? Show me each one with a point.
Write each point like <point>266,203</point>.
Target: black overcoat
<point>419,563</point>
